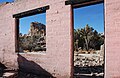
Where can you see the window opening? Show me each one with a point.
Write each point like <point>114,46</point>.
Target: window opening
<point>31,30</point>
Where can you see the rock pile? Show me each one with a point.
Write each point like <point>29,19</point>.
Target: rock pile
<point>91,64</point>
<point>88,60</point>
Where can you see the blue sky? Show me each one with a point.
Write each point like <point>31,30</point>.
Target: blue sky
<point>1,1</point>
<point>24,25</point>
<point>92,15</point>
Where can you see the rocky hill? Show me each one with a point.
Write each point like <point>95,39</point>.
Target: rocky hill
<point>35,40</point>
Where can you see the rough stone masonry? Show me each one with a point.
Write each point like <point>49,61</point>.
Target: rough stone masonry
<point>58,59</point>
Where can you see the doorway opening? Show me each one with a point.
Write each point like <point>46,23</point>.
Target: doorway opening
<point>88,41</point>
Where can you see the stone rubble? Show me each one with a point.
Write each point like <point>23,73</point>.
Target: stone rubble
<point>88,60</point>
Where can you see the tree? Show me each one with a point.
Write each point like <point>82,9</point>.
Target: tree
<point>87,38</point>
<point>87,34</point>
<point>78,40</point>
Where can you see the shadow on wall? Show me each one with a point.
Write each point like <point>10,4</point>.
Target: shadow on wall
<point>85,72</point>
<point>29,69</point>
<point>89,69</point>
<point>2,67</point>
<point>83,76</point>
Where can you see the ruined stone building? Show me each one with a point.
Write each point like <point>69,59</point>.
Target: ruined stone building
<point>57,61</point>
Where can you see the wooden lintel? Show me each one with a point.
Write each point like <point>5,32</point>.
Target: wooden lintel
<point>81,3</point>
<point>31,12</point>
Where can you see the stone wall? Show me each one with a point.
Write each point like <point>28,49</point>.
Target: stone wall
<point>112,38</point>
<point>57,59</point>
